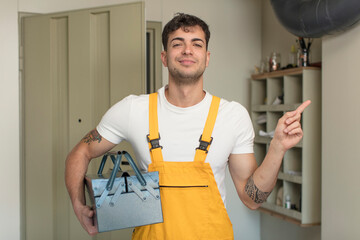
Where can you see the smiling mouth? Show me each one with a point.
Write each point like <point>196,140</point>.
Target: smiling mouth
<point>186,61</point>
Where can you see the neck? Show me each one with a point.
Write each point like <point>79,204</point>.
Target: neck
<point>184,95</point>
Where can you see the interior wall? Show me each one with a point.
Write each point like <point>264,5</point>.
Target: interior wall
<point>276,38</point>
<point>153,10</point>
<point>340,151</point>
<point>9,122</point>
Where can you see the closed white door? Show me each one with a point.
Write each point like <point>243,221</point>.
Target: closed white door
<point>76,65</point>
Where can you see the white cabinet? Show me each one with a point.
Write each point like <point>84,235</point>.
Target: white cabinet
<point>300,174</point>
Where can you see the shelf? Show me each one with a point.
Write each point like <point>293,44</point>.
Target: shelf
<point>264,140</point>
<point>290,177</point>
<point>280,73</point>
<point>279,209</point>
<point>275,108</point>
<point>286,218</point>
<point>267,140</point>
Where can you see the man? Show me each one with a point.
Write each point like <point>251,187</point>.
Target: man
<point>191,173</point>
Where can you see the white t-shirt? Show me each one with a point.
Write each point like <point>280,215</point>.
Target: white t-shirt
<point>180,130</point>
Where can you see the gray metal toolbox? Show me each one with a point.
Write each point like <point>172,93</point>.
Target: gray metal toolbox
<point>124,199</point>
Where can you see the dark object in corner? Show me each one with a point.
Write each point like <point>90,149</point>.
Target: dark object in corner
<point>315,18</point>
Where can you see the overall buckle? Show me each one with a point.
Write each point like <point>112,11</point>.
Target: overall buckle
<point>155,143</point>
<point>204,145</point>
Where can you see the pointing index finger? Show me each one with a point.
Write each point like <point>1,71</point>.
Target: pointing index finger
<point>302,107</point>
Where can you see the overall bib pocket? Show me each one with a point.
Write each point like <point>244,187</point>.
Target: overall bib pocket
<point>182,202</point>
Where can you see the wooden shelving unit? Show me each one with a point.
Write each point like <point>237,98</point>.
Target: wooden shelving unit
<point>300,174</point>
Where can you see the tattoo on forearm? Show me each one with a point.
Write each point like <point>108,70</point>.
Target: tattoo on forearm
<point>254,193</point>
<point>92,137</point>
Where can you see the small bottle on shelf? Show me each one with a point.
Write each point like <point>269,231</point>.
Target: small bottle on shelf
<point>287,202</point>
<point>274,61</point>
<point>293,57</point>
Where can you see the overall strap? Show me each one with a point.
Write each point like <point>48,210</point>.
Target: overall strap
<point>206,139</point>
<point>154,137</point>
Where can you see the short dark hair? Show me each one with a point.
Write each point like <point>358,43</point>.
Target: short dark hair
<point>182,20</point>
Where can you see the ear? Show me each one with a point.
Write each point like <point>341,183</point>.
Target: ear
<point>207,58</point>
<point>164,58</point>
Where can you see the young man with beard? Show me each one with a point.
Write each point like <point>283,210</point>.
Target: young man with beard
<point>200,136</point>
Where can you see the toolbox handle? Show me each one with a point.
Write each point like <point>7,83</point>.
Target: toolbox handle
<point>103,161</point>
<point>138,174</point>
<point>111,181</point>
<point>117,162</point>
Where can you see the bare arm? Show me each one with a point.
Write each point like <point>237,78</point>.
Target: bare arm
<point>241,167</point>
<point>245,173</point>
<point>91,146</point>
<point>253,183</point>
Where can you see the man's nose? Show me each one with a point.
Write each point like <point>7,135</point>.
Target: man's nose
<point>187,49</point>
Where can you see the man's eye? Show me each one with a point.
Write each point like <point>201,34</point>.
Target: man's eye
<point>198,45</point>
<point>176,45</point>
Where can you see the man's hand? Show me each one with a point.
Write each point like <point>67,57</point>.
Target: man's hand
<point>288,131</point>
<point>85,216</point>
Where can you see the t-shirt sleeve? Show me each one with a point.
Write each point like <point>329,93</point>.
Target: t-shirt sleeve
<point>244,131</point>
<point>114,124</point>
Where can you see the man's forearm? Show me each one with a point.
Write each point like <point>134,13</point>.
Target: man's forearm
<point>76,167</point>
<point>263,180</point>
<point>77,162</point>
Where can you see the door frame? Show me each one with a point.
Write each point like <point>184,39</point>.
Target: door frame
<point>153,58</point>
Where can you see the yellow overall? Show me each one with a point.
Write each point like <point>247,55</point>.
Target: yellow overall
<point>191,202</point>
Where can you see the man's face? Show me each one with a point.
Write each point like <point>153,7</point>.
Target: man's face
<point>186,57</point>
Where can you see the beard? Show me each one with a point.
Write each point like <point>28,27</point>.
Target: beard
<point>185,78</point>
